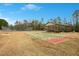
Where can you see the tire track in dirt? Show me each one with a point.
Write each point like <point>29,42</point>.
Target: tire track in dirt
<point>19,43</point>
<point>14,44</point>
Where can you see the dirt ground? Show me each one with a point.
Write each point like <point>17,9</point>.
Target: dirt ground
<point>15,43</point>
<point>21,44</point>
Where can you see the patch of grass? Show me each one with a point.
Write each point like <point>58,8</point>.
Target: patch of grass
<point>44,35</point>
<point>68,48</point>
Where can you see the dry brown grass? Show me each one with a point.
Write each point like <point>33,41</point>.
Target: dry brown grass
<point>21,43</point>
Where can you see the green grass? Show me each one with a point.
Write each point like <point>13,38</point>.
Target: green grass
<point>44,35</point>
<point>68,48</point>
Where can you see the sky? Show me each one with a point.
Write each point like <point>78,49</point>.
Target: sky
<point>29,11</point>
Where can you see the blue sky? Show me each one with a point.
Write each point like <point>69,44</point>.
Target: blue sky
<point>29,11</point>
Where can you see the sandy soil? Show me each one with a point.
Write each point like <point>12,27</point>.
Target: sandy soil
<point>15,43</point>
<point>20,43</point>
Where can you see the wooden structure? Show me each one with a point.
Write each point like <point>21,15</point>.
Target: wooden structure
<point>66,28</point>
<point>58,28</point>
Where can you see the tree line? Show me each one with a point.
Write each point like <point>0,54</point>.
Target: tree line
<point>26,25</point>
<point>40,25</point>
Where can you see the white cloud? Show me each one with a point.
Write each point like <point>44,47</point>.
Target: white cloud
<point>7,19</point>
<point>31,7</point>
<point>7,4</point>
